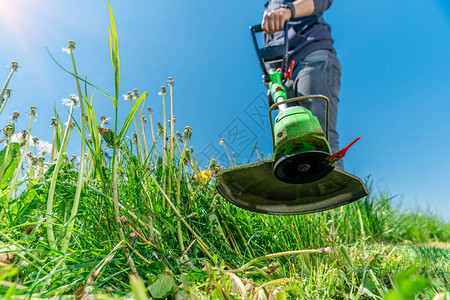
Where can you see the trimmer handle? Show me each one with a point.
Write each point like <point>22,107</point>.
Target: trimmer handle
<point>272,53</point>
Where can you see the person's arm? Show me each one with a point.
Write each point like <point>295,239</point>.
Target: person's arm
<point>274,21</point>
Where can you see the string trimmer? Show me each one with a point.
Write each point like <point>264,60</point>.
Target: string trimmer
<point>302,177</point>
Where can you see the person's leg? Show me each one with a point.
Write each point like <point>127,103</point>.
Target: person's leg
<point>319,73</point>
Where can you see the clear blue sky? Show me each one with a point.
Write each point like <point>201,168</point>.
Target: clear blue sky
<point>395,87</point>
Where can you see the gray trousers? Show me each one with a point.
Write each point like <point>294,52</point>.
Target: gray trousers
<point>319,73</point>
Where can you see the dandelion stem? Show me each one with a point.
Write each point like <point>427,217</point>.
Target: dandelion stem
<point>3,103</point>
<point>153,133</point>
<point>51,192</point>
<point>146,156</point>
<point>22,158</point>
<point>5,86</point>
<point>180,170</point>
<point>228,154</point>
<point>138,139</point>
<point>80,180</point>
<point>172,119</point>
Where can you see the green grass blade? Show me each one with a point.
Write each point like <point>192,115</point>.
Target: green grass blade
<point>131,114</point>
<point>114,48</point>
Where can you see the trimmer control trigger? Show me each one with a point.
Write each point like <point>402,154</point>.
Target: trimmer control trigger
<point>288,74</point>
<point>341,153</point>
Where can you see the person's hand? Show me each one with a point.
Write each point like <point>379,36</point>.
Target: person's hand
<point>274,21</point>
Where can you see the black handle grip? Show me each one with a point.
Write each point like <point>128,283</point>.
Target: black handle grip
<point>271,53</point>
<point>256,28</point>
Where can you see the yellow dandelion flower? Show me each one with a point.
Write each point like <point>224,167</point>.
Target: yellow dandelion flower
<point>203,175</point>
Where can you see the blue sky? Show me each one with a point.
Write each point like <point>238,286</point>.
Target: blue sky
<point>395,87</point>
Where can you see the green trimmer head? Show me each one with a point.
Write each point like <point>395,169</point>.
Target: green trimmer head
<point>302,177</point>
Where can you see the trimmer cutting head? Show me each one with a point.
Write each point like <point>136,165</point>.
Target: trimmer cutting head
<point>303,167</point>
<point>255,187</point>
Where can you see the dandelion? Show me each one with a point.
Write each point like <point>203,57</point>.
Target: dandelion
<point>187,132</point>
<point>162,92</point>
<point>135,93</point>
<point>104,120</point>
<point>15,66</point>
<point>150,111</point>
<point>34,161</point>
<point>72,158</point>
<point>53,124</point>
<point>8,92</point>
<point>33,110</point>
<point>69,48</point>
<point>170,82</point>
<point>128,96</point>
<point>8,131</point>
<point>144,119</point>
<point>15,115</point>
<point>213,166</point>
<point>202,176</point>
<point>74,98</point>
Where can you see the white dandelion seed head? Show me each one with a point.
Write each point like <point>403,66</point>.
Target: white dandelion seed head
<point>66,50</point>
<point>66,102</point>
<point>14,65</point>
<point>128,96</point>
<point>162,91</point>
<point>74,98</point>
<point>15,115</point>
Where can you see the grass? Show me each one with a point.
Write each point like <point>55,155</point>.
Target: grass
<point>154,226</point>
